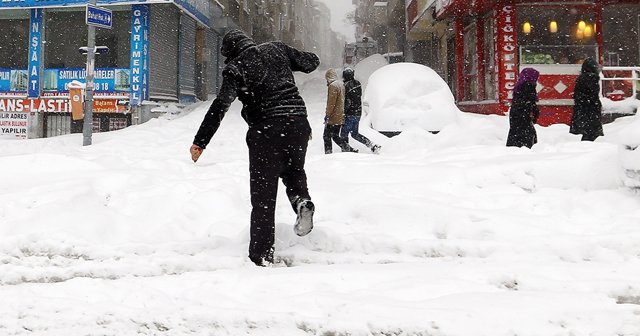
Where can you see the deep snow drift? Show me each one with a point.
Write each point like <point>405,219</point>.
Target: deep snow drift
<point>448,234</point>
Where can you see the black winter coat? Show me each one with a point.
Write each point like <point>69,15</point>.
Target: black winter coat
<point>587,108</point>
<point>352,95</point>
<point>523,114</point>
<point>261,76</point>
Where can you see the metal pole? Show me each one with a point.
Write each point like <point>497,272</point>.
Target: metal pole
<point>88,101</point>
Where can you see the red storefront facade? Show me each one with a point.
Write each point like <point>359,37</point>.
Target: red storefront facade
<point>495,39</point>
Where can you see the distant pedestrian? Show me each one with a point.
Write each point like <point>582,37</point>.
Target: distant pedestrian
<point>261,76</point>
<point>587,108</point>
<point>334,114</point>
<point>353,110</point>
<point>524,110</point>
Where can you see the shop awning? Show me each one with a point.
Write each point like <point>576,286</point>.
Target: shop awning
<point>198,9</point>
<point>420,16</point>
<point>448,8</point>
<point>416,10</point>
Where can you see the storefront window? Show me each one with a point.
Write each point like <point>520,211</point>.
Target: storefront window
<point>470,64</point>
<point>556,34</point>
<point>66,31</point>
<point>621,37</point>
<point>14,39</point>
<point>489,59</point>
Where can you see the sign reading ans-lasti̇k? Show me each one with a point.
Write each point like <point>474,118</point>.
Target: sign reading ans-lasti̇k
<point>15,112</point>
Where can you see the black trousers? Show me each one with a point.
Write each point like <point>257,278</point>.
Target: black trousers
<point>277,149</point>
<point>332,132</point>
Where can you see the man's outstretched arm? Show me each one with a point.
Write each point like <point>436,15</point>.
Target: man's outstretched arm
<point>300,60</point>
<point>217,110</point>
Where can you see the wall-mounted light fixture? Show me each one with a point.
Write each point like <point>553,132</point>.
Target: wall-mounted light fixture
<point>526,28</point>
<point>582,25</point>
<point>588,31</point>
<point>553,26</point>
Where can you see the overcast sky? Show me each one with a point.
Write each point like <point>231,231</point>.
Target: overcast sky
<point>339,10</point>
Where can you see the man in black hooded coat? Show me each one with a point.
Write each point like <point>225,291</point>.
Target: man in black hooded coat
<point>587,108</point>
<point>261,76</point>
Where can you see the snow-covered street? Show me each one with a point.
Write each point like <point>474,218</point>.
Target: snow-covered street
<point>447,234</point>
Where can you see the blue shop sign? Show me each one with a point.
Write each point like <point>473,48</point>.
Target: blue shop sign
<point>14,80</point>
<point>198,8</point>
<point>107,80</point>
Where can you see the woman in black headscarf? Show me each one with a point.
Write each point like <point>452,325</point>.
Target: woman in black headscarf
<point>587,108</point>
<point>524,110</point>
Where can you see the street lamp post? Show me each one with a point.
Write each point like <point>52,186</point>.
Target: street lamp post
<point>88,115</point>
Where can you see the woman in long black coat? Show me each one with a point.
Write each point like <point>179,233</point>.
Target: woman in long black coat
<point>587,108</point>
<point>524,110</point>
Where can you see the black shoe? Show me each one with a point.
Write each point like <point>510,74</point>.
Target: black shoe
<point>304,221</point>
<point>375,149</point>
<point>350,150</point>
<point>262,262</point>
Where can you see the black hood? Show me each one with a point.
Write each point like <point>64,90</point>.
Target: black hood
<point>235,42</point>
<point>590,65</point>
<point>348,74</point>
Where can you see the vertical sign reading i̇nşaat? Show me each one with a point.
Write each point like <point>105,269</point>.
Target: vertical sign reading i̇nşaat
<point>35,48</point>
<point>139,54</point>
<point>507,50</point>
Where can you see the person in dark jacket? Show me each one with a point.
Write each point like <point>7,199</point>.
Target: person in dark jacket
<point>353,110</point>
<point>334,114</point>
<point>587,108</point>
<point>261,76</point>
<point>524,110</point>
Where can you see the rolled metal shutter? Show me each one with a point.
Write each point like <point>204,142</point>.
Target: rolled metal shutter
<point>187,61</point>
<point>163,56</point>
<point>213,61</point>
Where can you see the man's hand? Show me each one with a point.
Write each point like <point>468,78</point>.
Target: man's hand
<point>196,151</point>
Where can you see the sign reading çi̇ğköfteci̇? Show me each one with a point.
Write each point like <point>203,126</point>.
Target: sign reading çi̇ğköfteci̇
<point>99,17</point>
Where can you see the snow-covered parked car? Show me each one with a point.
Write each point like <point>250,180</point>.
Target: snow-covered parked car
<point>625,131</point>
<point>406,95</point>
